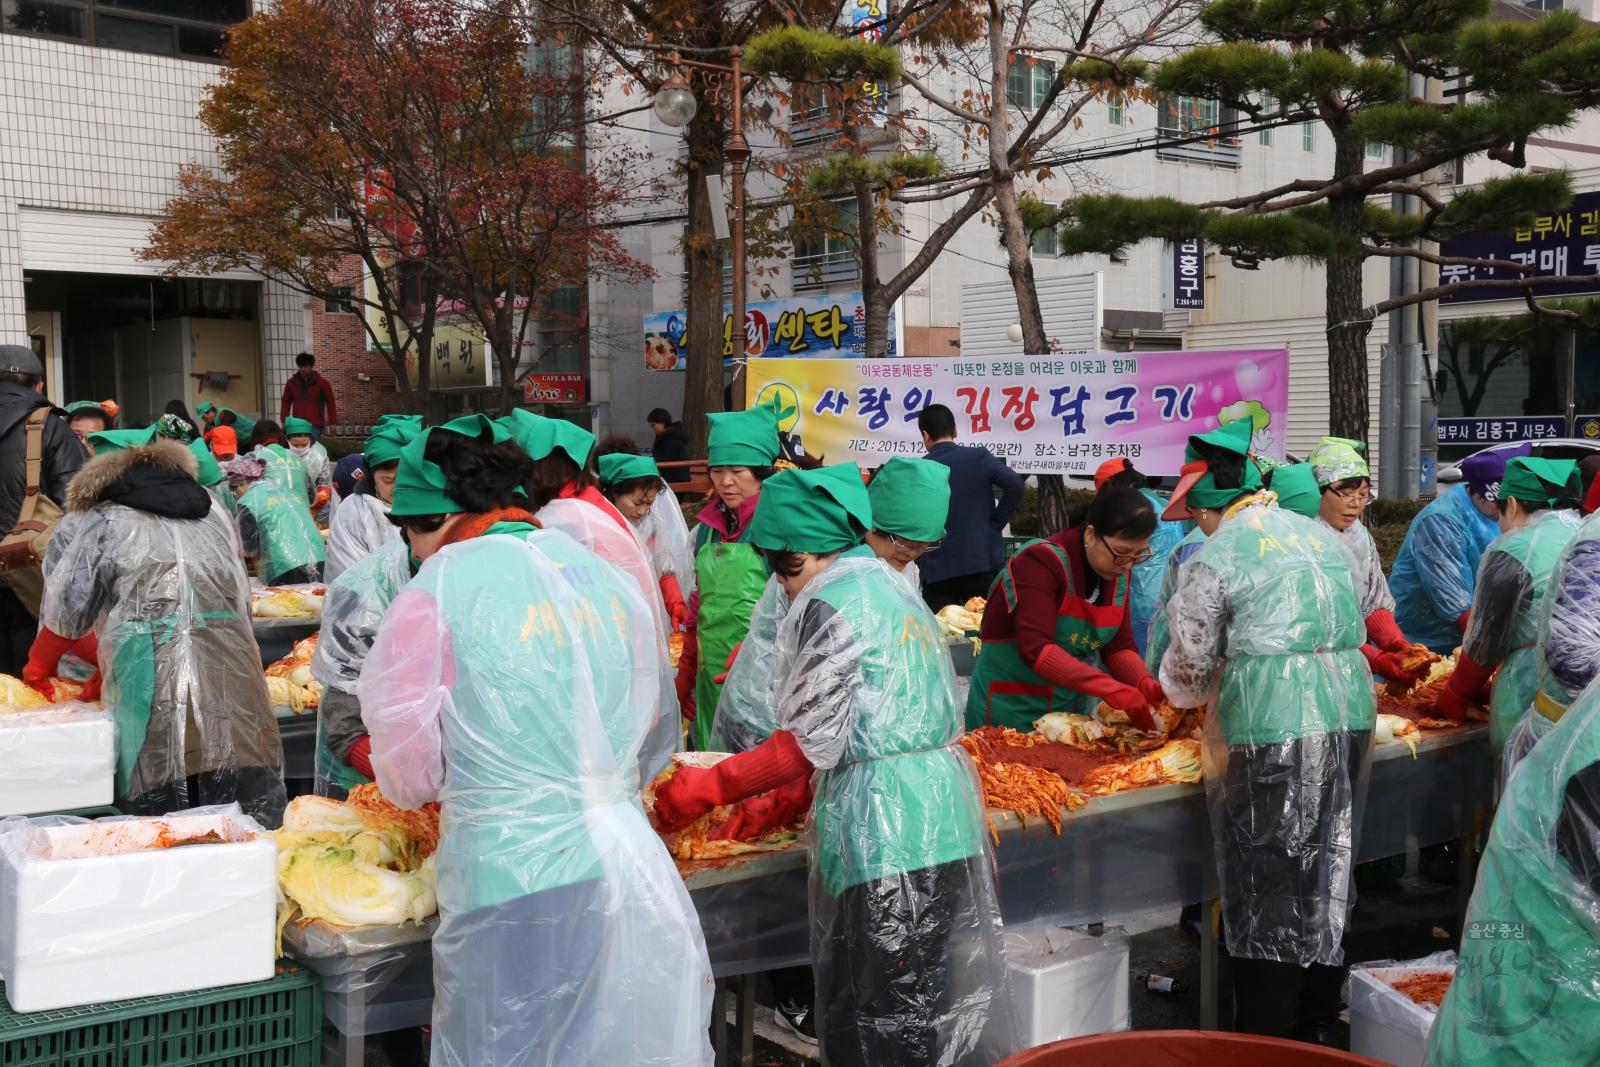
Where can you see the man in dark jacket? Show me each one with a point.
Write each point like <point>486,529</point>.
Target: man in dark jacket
<point>972,553</point>
<point>21,386</point>
<point>672,444</point>
<point>305,396</point>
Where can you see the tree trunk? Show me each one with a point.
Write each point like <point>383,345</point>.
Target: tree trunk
<point>1052,503</point>
<point>872,294</point>
<point>1348,409</point>
<point>702,254</point>
<point>1019,264</point>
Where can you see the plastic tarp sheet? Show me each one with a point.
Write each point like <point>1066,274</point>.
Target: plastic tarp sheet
<point>530,667</point>
<point>57,758</point>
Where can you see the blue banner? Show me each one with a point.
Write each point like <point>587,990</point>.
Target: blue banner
<point>1492,431</point>
<point>1560,244</point>
<point>826,326</point>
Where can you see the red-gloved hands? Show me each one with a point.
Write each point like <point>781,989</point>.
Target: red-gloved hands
<point>1465,682</point>
<point>44,659</point>
<point>1464,618</point>
<point>91,688</point>
<point>764,814</point>
<point>1055,665</point>
<point>324,494</point>
<point>1152,691</point>
<point>1384,632</point>
<point>722,678</point>
<point>693,791</point>
<point>360,756</point>
<point>688,666</point>
<point>1388,665</point>
<point>672,597</point>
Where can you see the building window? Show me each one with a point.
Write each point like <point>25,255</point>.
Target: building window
<point>191,29</point>
<point>1114,111</point>
<point>1043,242</point>
<point>1268,105</point>
<point>1213,126</point>
<point>337,301</point>
<point>1028,81</point>
<point>827,259</point>
<point>1306,142</point>
<point>1374,150</point>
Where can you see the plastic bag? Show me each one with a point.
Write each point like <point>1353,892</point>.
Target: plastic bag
<point>171,605</point>
<point>902,877</point>
<point>747,710</point>
<point>1265,626</point>
<point>1433,576</point>
<point>1527,987</point>
<point>358,527</point>
<point>529,667</point>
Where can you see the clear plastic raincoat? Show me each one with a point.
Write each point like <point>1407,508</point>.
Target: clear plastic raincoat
<point>1566,648</point>
<point>604,536</point>
<point>747,710</point>
<point>285,470</point>
<point>1505,612</point>
<point>515,680</point>
<point>319,473</point>
<point>906,932</point>
<point>1147,579</point>
<point>352,611</point>
<point>1433,576</point>
<point>1372,589</point>
<point>359,527</point>
<point>1156,645</point>
<point>182,673</point>
<point>666,538</point>
<point>1265,626</point>
<point>1527,986</point>
<point>280,532</point>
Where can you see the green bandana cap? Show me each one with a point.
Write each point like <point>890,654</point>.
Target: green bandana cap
<point>392,433</point>
<point>621,467</point>
<point>108,441</point>
<point>810,511</point>
<point>86,405</point>
<point>1524,477</point>
<point>209,473</point>
<point>540,436</point>
<point>1338,458</point>
<point>911,498</point>
<point>1234,437</point>
<point>1297,489</point>
<point>293,426</point>
<point>744,438</point>
<point>419,484</point>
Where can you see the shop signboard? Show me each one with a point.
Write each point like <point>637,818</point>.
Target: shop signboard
<point>554,389</point>
<point>1563,243</point>
<point>1494,430</point>
<point>799,327</point>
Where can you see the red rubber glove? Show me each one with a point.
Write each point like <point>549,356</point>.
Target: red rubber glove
<point>1388,665</point>
<point>1152,691</point>
<point>672,597</point>
<point>764,814</point>
<point>693,791</point>
<point>722,678</point>
<point>1055,665</point>
<point>1461,623</point>
<point>360,756</point>
<point>91,688</point>
<point>1465,682</point>
<point>44,660</point>
<point>688,666</point>
<point>324,494</point>
<point>1384,632</point>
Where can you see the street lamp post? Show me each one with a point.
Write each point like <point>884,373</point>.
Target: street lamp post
<point>675,106</point>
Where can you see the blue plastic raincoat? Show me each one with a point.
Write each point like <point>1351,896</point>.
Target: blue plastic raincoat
<point>1433,576</point>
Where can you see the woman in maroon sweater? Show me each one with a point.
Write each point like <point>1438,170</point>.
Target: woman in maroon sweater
<point>1058,632</point>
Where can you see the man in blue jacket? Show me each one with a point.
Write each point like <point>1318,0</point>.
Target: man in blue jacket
<point>972,553</point>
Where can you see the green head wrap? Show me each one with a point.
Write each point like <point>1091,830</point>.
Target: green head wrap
<point>1553,482</point>
<point>810,511</point>
<point>293,426</point>
<point>1297,489</point>
<point>209,473</point>
<point>1338,458</point>
<point>392,433</point>
<point>419,484</point>
<point>911,498</point>
<point>620,467</point>
<point>86,405</point>
<point>1234,437</point>
<point>108,441</point>
<point>744,438</point>
<point>540,436</point>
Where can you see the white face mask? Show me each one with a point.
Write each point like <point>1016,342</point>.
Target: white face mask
<point>299,450</point>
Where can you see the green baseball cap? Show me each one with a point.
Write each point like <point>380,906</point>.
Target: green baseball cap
<point>540,436</point>
<point>621,467</point>
<point>1553,482</point>
<point>1297,489</point>
<point>293,426</point>
<point>389,436</point>
<point>811,511</point>
<point>911,498</point>
<point>743,438</point>
<point>108,441</point>
<point>419,484</point>
<point>204,406</point>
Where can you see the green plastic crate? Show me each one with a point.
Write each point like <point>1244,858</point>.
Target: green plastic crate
<point>276,1023</point>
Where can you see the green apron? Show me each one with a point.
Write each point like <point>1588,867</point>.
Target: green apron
<point>289,535</point>
<point>1160,637</point>
<point>1006,691</point>
<point>730,577</point>
<point>1536,546</point>
<point>284,468</point>
<point>1527,987</point>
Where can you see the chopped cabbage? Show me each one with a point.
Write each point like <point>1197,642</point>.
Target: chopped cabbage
<point>1080,731</point>
<point>336,884</point>
<point>17,695</point>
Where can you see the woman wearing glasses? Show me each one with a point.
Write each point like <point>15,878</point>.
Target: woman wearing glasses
<point>1058,633</point>
<point>910,498</point>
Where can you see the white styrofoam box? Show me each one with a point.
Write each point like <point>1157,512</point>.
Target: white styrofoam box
<point>1385,1024</point>
<point>1067,983</point>
<point>56,760</point>
<point>90,913</point>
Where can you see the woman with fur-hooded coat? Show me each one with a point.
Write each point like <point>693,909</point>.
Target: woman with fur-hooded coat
<point>154,568</point>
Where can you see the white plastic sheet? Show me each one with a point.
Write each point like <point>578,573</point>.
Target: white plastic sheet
<point>357,528</point>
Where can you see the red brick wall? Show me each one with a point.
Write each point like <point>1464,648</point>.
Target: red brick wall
<point>363,384</point>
